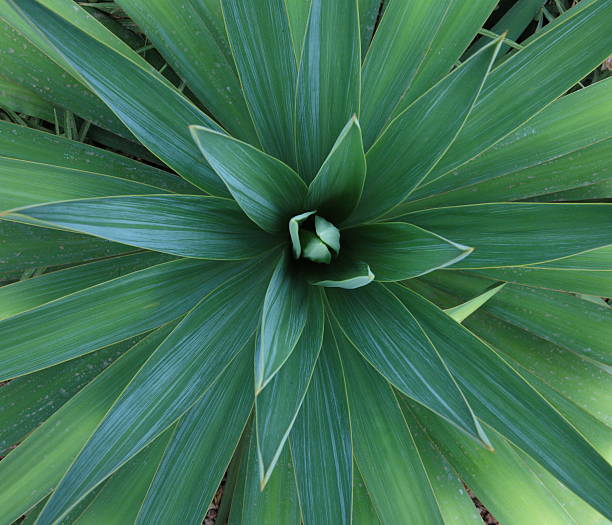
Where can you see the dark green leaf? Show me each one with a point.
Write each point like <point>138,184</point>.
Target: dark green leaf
<point>187,225</point>
<point>328,81</point>
<point>268,191</point>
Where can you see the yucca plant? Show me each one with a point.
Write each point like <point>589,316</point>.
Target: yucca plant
<point>335,263</point>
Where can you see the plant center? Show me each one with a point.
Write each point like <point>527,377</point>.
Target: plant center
<point>314,237</point>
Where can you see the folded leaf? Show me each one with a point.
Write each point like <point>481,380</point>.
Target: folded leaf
<point>397,251</point>
<point>336,189</point>
<point>328,81</point>
<point>401,158</point>
<point>321,445</point>
<point>345,274</point>
<point>191,226</point>
<point>512,234</point>
<point>278,404</point>
<point>283,319</point>
<point>268,191</point>
<point>392,341</point>
<point>462,311</point>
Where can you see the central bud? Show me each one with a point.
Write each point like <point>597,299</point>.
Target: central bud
<point>314,238</point>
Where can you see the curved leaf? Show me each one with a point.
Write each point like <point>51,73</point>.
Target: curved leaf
<point>191,226</point>
<point>342,274</point>
<point>268,191</point>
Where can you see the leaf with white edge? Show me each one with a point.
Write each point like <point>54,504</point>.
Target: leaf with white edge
<point>328,233</point>
<point>321,445</point>
<point>186,225</point>
<point>388,336</point>
<point>328,85</point>
<point>283,319</point>
<point>174,378</point>
<point>196,459</point>
<point>462,311</point>
<point>413,143</point>
<point>397,251</point>
<point>337,187</point>
<point>277,406</point>
<point>268,191</point>
<point>294,232</point>
<point>342,274</point>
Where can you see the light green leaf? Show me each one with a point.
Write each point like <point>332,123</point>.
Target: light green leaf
<point>122,495</point>
<point>462,311</point>
<point>278,404</point>
<point>397,251</point>
<point>261,44</point>
<point>24,247</point>
<point>391,340</point>
<point>314,248</point>
<point>328,81</point>
<point>189,38</point>
<point>415,45</point>
<point>28,144</point>
<point>321,445</point>
<point>507,403</point>
<point>385,452</point>
<point>278,503</point>
<point>176,376</point>
<point>328,233</point>
<point>294,232</point>
<point>401,158</point>
<point>511,234</point>
<point>552,62</point>
<point>28,401</point>
<point>336,189</point>
<point>30,293</point>
<point>196,459</point>
<point>283,319</point>
<point>33,469</point>
<point>29,183</point>
<point>38,338</point>
<point>342,274</point>
<point>363,509</point>
<point>21,99</point>
<point>159,121</point>
<point>268,191</point>
<point>191,226</point>
<point>564,146</point>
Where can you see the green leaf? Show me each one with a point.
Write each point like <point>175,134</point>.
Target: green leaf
<point>342,274</point>
<point>506,402</point>
<point>321,445</point>
<point>38,338</point>
<point>159,121</point>
<point>314,248</point>
<point>511,234</point>
<point>176,376</point>
<point>498,479</point>
<point>462,311</point>
<point>294,232</point>
<point>363,509</point>
<point>596,259</point>
<point>190,40</point>
<point>551,63</point>
<point>593,282</point>
<point>34,468</point>
<point>283,319</point>
<point>20,99</point>
<point>263,51</point>
<point>454,503</point>
<point>298,11</point>
<point>196,459</point>
<point>191,226</point>
<point>400,159</point>
<point>368,14</point>
<point>29,183</point>
<point>391,340</point>
<point>397,251</point>
<point>336,189</point>
<point>30,293</point>
<point>564,146</point>
<point>268,191</point>
<point>122,495</point>
<point>328,85</point>
<point>415,45</point>
<point>328,233</point>
<point>28,144</point>
<point>278,503</point>
<point>278,404</point>
<point>28,401</point>
<point>385,452</point>
<point>597,191</point>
